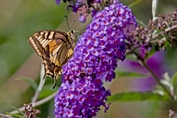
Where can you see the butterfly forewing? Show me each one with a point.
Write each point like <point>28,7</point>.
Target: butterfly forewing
<point>55,48</point>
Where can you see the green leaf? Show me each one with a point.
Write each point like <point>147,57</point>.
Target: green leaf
<point>13,107</point>
<point>134,3</point>
<point>47,90</point>
<point>16,115</point>
<point>174,82</point>
<point>174,79</point>
<point>136,96</point>
<point>129,74</point>
<point>30,81</point>
<point>152,51</point>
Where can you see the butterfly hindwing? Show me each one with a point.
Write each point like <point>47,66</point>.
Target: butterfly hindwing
<point>55,48</point>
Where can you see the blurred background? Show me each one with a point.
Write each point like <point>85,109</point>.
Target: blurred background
<point>20,66</point>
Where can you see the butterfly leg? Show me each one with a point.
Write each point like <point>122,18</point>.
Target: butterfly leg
<point>55,83</point>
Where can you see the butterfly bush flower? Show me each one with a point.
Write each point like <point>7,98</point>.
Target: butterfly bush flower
<point>95,58</point>
<point>86,7</point>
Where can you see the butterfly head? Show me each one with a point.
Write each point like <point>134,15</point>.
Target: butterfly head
<point>72,31</point>
<point>71,34</point>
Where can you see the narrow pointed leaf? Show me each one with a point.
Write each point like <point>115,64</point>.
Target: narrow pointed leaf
<point>130,74</point>
<point>30,81</point>
<point>136,96</point>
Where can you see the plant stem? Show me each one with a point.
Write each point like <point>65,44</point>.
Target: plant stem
<point>156,79</point>
<point>154,8</point>
<point>5,116</point>
<point>41,84</point>
<point>37,103</point>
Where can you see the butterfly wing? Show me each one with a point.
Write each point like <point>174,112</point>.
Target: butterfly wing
<point>55,48</point>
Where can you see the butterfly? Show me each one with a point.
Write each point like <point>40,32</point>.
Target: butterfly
<point>55,48</point>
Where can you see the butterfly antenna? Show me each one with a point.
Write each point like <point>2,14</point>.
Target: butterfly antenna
<point>74,21</point>
<point>67,22</point>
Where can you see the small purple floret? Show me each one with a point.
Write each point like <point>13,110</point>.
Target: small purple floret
<point>57,2</point>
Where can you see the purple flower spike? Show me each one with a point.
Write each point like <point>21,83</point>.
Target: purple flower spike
<point>94,60</point>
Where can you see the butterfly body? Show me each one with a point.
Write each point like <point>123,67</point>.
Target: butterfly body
<point>55,48</point>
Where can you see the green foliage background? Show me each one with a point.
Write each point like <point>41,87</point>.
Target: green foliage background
<point>21,18</point>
